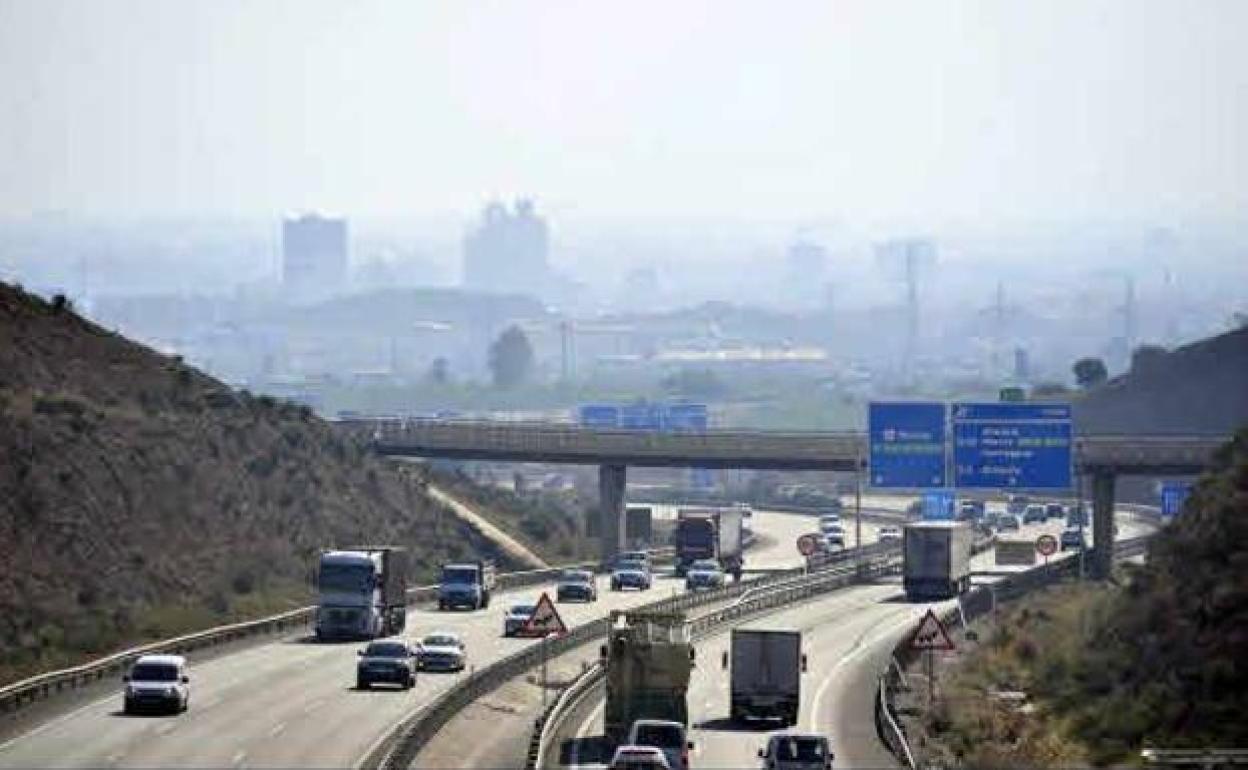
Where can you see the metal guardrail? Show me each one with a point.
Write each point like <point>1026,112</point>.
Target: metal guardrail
<point>400,748</point>
<point>795,590</point>
<point>18,695</point>
<point>972,605</point>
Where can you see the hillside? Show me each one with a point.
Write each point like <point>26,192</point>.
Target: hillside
<point>1156,661</point>
<point>1197,388</point>
<point>141,498</point>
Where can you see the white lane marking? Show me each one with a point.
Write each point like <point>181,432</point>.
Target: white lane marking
<point>277,729</point>
<point>239,759</point>
<point>313,705</point>
<point>166,728</point>
<point>859,649</point>
<point>582,730</point>
<point>59,720</point>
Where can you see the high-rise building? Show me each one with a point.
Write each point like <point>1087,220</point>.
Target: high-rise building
<point>507,251</point>
<point>806,261</point>
<point>314,256</point>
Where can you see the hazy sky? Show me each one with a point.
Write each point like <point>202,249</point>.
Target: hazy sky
<point>916,110</point>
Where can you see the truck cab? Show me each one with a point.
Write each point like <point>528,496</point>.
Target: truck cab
<point>467,584</point>
<point>362,593</point>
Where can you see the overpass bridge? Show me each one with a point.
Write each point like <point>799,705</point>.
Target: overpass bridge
<point>1101,457</point>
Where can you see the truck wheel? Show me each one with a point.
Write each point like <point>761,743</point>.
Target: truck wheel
<point>361,684</point>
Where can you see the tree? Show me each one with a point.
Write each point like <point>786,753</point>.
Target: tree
<point>511,358</point>
<point>1090,372</point>
<point>440,371</point>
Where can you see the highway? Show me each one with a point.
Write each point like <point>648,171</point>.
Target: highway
<point>290,702</point>
<point>847,635</point>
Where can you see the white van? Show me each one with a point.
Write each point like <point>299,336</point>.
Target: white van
<point>157,683</point>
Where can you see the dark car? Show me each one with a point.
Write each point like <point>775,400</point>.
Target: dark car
<point>1073,538</point>
<point>1053,511</point>
<point>389,661</point>
<point>576,585</point>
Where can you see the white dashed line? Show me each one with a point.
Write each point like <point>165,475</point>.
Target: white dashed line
<point>277,729</point>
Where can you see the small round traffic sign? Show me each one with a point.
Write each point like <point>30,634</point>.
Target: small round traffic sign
<point>1046,545</point>
<point>807,544</point>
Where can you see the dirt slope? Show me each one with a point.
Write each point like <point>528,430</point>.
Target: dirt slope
<point>140,498</point>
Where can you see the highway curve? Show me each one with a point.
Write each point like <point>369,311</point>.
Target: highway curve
<point>289,702</point>
<point>847,635</point>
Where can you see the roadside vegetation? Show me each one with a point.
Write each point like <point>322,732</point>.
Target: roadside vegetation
<point>1154,660</point>
<point>141,499</point>
<point>552,524</point>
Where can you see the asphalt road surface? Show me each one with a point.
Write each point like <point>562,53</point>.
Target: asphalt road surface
<point>847,635</point>
<point>291,702</point>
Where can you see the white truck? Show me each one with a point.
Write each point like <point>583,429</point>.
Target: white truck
<point>466,584</point>
<point>766,675</point>
<point>937,559</point>
<point>361,592</point>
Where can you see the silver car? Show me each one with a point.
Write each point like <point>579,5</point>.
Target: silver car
<point>792,751</point>
<point>705,573</point>
<point>442,651</point>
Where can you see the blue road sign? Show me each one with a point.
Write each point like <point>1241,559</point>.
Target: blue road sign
<point>600,416</point>
<point>1012,446</point>
<point>938,505</point>
<point>907,444</point>
<point>685,417</point>
<point>641,417</point>
<point>1173,496</point>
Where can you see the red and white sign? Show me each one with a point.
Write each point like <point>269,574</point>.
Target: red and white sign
<point>931,634</point>
<point>807,544</point>
<point>1046,545</point>
<point>544,620</point>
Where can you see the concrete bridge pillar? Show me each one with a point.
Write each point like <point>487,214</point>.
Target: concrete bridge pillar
<point>1102,524</point>
<point>611,484</point>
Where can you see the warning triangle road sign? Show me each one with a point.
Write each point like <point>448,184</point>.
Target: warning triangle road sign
<point>545,619</point>
<point>931,634</point>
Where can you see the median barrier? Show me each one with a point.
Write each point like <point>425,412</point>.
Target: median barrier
<point>400,748</point>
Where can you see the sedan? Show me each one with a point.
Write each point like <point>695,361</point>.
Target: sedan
<point>442,651</point>
<point>1008,522</point>
<point>890,535</point>
<point>630,576</point>
<point>387,660</point>
<point>705,573</point>
<point>516,617</point>
<point>1072,537</point>
<point>576,585</point>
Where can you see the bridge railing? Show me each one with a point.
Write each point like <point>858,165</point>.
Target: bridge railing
<point>1127,452</point>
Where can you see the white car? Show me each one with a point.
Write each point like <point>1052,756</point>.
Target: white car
<point>157,683</point>
<point>831,528</point>
<point>829,518</point>
<point>792,751</point>
<point>889,534</point>
<point>638,758</point>
<point>442,651</point>
<point>668,737</point>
